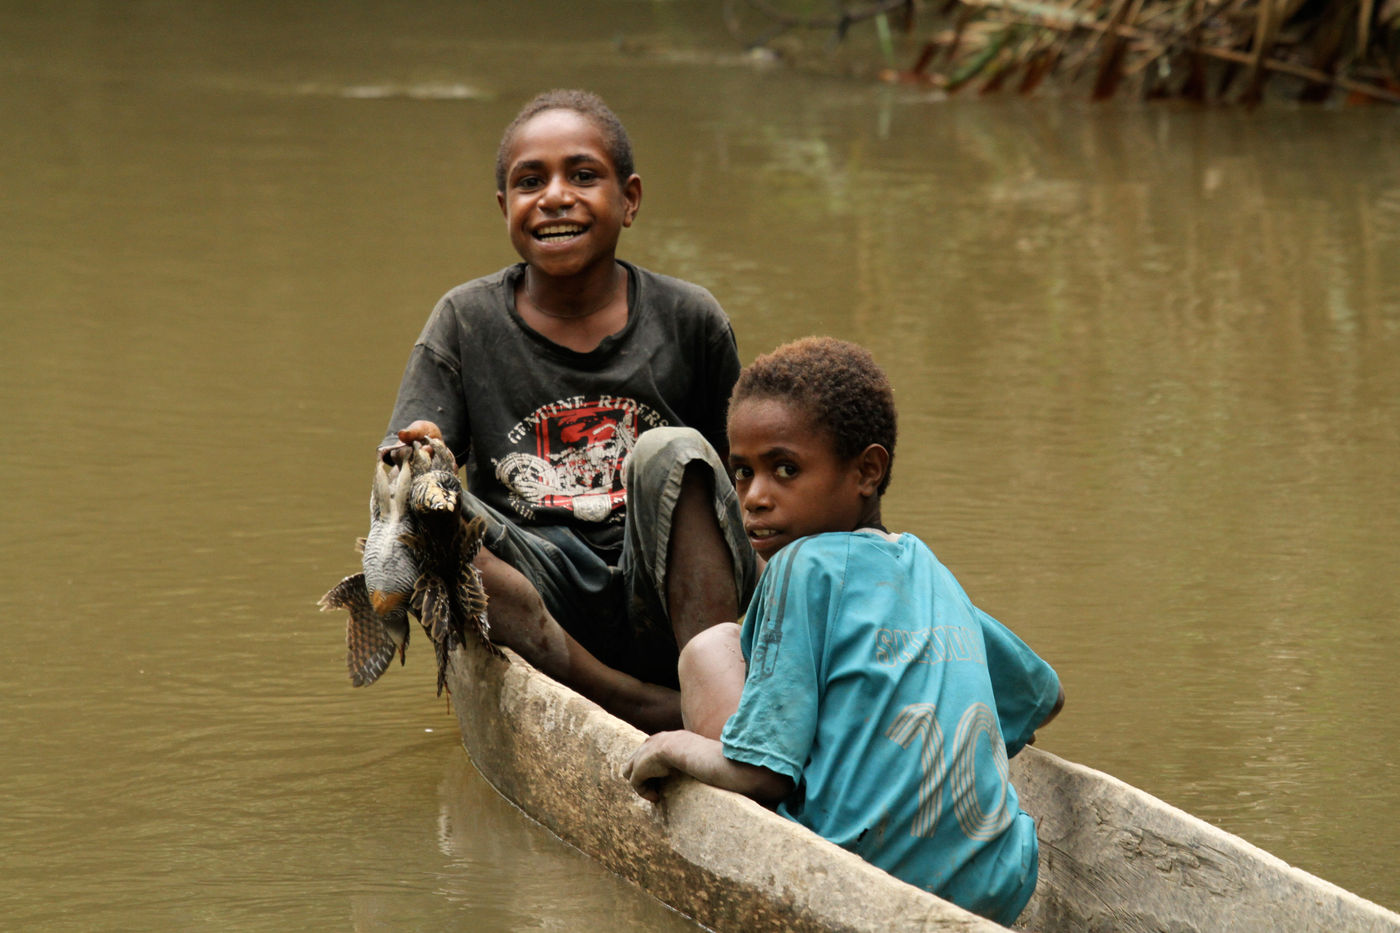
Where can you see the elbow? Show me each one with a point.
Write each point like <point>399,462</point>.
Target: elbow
<point>768,787</point>
<point>1059,705</point>
<point>1012,751</point>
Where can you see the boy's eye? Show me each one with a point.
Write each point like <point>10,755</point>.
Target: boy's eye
<point>585,175</point>
<point>785,470</point>
<point>742,473</point>
<point>528,182</point>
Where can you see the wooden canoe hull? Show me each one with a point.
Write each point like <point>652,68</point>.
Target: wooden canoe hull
<point>1112,857</point>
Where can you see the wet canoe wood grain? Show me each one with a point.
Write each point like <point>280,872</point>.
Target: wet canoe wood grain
<point>1112,857</point>
<point>715,856</point>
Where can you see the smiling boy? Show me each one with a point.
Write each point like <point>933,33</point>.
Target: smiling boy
<point>566,204</point>
<point>585,398</point>
<point>865,694</point>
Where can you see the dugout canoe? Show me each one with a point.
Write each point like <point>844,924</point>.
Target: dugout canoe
<point>1112,857</point>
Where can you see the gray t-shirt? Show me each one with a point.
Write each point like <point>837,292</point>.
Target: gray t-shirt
<point>543,430</point>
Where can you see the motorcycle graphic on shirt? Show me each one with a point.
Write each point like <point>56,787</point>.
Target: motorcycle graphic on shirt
<point>571,455</point>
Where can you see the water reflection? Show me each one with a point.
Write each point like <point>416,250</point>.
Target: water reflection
<point>485,839</point>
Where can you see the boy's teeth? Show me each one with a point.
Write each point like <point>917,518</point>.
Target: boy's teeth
<point>559,230</point>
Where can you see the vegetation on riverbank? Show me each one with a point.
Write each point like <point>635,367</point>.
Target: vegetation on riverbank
<point>1217,51</point>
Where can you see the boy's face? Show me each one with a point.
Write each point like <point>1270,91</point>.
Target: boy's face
<point>790,481</point>
<point>564,205</point>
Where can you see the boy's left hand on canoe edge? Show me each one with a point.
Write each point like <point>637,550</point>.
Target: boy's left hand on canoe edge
<point>648,767</point>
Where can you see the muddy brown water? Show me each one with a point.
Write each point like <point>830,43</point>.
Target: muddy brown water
<point>1148,364</point>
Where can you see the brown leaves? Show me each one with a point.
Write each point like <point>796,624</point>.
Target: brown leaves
<point>1203,50</point>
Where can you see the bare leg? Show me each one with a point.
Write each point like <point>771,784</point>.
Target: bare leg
<point>699,569</point>
<point>520,621</point>
<point>712,678</point>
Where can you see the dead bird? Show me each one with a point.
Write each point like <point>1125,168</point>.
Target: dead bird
<point>417,559</point>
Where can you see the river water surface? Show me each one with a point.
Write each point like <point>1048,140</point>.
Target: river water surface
<point>1147,362</point>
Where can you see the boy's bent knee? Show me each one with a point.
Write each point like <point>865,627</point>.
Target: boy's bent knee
<point>718,644</point>
<point>668,445</point>
<point>711,672</point>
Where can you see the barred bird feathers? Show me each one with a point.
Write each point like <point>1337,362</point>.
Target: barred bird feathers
<point>417,559</point>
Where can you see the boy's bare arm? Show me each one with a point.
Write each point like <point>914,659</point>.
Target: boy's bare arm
<point>667,753</point>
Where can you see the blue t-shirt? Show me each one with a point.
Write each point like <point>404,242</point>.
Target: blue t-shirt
<point>893,702</point>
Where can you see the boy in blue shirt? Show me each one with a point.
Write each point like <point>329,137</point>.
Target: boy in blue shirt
<point>865,694</point>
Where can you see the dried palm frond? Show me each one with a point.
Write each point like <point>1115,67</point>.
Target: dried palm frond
<point>1173,48</point>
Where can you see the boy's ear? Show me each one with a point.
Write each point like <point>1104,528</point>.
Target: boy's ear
<point>632,194</point>
<point>501,202</point>
<point>872,464</point>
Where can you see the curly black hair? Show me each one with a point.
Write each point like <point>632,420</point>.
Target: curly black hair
<point>584,103</point>
<point>838,383</point>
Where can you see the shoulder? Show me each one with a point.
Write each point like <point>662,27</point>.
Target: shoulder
<point>920,555</point>
<point>871,545</point>
<point>869,560</point>
<point>486,291</point>
<point>676,295</point>
<point>898,547</point>
<point>807,562</point>
<point>471,306</point>
<point>843,547</point>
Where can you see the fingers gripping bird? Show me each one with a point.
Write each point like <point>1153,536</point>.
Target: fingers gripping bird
<point>417,559</point>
